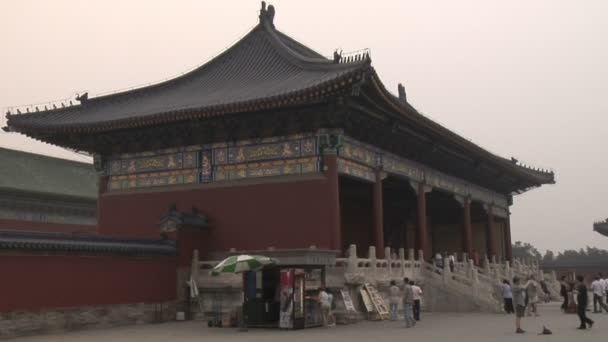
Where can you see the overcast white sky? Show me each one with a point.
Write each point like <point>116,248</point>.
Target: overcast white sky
<point>523,78</point>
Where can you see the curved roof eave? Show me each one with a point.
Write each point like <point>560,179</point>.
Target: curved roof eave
<point>536,176</point>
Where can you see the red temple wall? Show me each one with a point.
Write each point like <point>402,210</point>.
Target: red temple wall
<point>34,226</point>
<point>33,282</point>
<point>288,213</point>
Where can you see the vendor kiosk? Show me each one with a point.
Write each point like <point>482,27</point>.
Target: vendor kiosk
<point>285,295</point>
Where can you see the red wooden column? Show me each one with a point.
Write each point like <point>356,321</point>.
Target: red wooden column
<point>468,230</point>
<point>490,233</point>
<point>422,229</point>
<point>378,215</point>
<point>331,172</point>
<point>508,245</point>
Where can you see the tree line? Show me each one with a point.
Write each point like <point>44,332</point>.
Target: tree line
<point>525,250</point>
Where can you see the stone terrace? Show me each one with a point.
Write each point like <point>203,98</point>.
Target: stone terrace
<point>434,327</point>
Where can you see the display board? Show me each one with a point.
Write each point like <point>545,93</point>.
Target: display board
<point>348,302</point>
<point>367,301</point>
<point>377,301</point>
<point>286,312</point>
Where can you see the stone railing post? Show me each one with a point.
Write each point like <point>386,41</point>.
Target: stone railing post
<point>389,260</point>
<point>508,271</point>
<point>402,262</point>
<point>410,254</point>
<point>373,261</point>
<point>486,266</point>
<point>420,255</point>
<point>470,267</point>
<point>475,280</point>
<point>446,270</point>
<point>351,265</point>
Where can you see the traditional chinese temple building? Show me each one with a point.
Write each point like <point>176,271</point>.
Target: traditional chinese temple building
<point>276,145</point>
<point>601,227</point>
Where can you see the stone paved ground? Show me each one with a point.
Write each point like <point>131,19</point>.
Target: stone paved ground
<point>434,327</point>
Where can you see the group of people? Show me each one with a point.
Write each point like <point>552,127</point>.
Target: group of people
<point>599,288</point>
<point>524,295</point>
<point>411,298</point>
<point>534,293</point>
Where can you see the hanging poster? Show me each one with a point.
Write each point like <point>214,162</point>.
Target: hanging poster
<point>298,295</point>
<point>286,312</point>
<point>348,302</point>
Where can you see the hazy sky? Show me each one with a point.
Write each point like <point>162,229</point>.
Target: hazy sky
<point>523,78</point>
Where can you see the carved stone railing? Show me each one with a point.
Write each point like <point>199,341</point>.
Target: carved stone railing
<point>478,286</point>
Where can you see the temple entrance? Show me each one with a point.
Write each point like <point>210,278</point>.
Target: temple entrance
<point>445,221</point>
<point>400,221</point>
<point>479,220</point>
<point>356,212</point>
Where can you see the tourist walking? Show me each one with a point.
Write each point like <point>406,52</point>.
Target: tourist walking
<point>439,260</point>
<point>519,300</point>
<point>533,289</point>
<point>325,303</point>
<point>507,296</point>
<point>394,298</point>
<point>545,291</point>
<point>452,262</point>
<point>605,282</point>
<point>582,301</point>
<point>598,289</point>
<point>563,291</point>
<point>408,304</point>
<point>417,300</point>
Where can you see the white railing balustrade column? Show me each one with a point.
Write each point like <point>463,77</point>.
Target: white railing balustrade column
<point>373,261</point>
<point>351,265</point>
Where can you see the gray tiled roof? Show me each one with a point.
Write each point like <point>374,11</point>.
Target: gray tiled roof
<point>265,65</point>
<point>59,242</point>
<point>28,172</point>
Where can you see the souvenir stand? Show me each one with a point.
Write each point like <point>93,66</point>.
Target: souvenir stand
<point>285,295</point>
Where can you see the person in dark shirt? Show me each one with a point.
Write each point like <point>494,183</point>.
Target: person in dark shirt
<point>581,298</point>
<point>563,291</point>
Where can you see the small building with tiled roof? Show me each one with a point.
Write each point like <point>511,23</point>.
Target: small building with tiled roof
<point>42,193</point>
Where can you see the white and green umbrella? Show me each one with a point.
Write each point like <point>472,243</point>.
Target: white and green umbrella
<point>242,263</point>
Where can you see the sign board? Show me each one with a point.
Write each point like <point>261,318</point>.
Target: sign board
<point>367,301</point>
<point>348,302</point>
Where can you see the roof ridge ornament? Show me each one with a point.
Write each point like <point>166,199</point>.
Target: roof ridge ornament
<point>83,99</point>
<point>267,15</point>
<point>401,90</point>
<point>337,56</point>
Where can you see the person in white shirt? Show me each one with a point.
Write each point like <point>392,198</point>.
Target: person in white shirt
<point>507,295</point>
<point>394,298</point>
<point>325,302</point>
<point>598,289</point>
<point>417,298</point>
<point>604,282</point>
